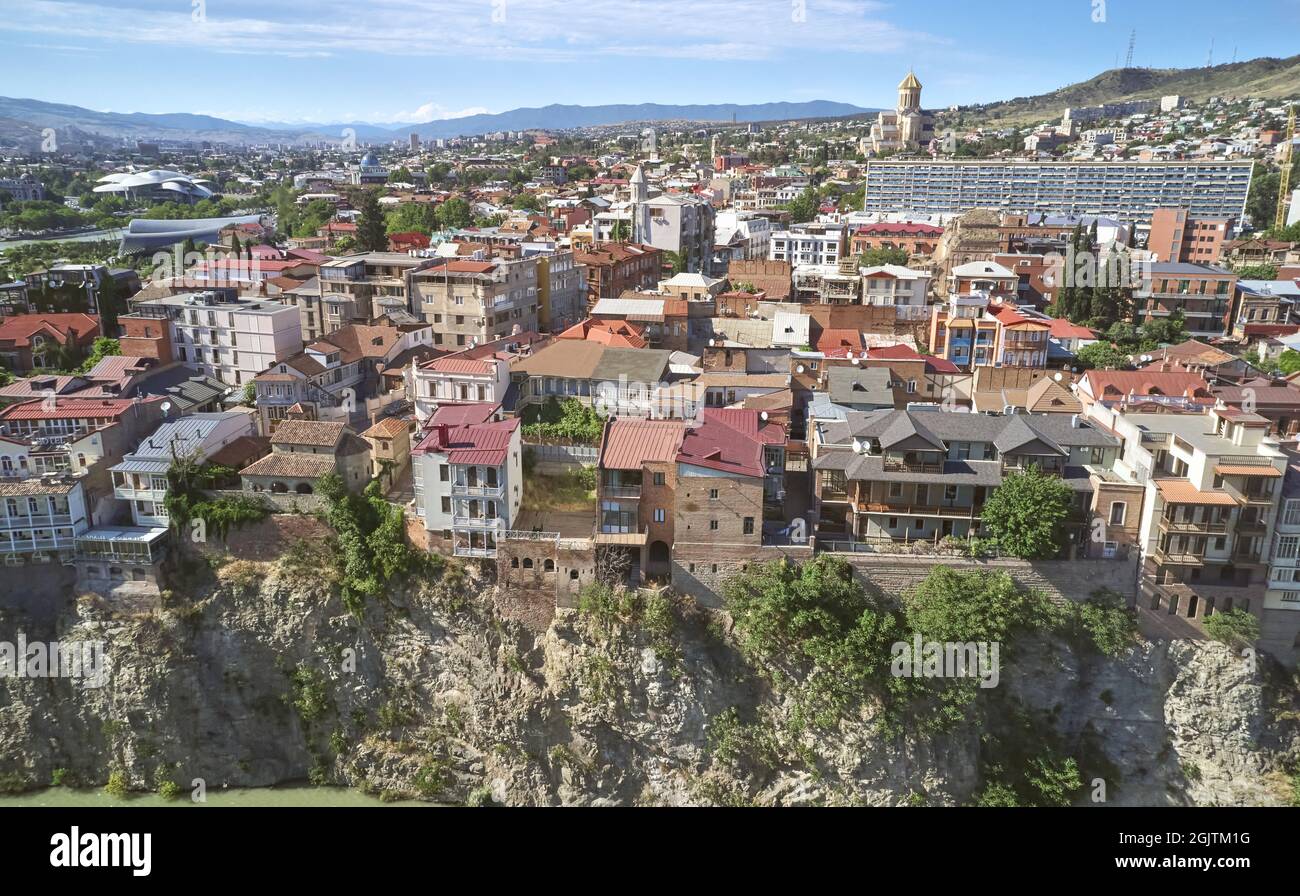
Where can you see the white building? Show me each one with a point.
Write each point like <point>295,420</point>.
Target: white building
<point>893,284</point>
<point>807,244</point>
<point>739,236</point>
<point>468,479</point>
<point>40,518</point>
<point>230,337</point>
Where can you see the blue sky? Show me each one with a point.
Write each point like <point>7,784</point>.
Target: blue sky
<point>417,60</point>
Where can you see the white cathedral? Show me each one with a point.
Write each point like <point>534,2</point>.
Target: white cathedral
<point>906,128</point>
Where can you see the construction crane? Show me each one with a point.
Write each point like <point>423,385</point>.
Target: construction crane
<point>1284,182</point>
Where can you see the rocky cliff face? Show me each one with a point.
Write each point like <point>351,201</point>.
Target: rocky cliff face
<point>265,678</point>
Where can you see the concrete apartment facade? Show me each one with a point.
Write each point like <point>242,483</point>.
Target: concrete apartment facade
<point>1126,190</point>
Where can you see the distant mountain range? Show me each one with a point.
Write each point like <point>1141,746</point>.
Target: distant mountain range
<point>1264,78</point>
<point>22,121</point>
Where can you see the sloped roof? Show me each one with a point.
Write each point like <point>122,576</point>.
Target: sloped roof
<point>627,444</point>
<point>319,433</point>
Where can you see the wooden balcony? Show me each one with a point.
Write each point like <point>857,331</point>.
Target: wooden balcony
<point>1192,527</point>
<point>957,513</point>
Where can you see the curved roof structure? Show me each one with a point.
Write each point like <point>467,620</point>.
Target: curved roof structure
<point>147,233</point>
<point>152,180</point>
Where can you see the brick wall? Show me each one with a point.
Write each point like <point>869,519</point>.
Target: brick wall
<point>737,498</point>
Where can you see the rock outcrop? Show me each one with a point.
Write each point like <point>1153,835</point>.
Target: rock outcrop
<point>264,677</point>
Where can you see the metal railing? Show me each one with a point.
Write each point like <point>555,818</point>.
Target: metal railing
<point>477,522</point>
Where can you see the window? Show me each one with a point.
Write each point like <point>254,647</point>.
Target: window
<point>1287,547</point>
<point>444,473</point>
<point>446,504</point>
<point>658,478</point>
<point>713,525</point>
<point>749,525</point>
<point>1117,511</point>
<point>895,489</point>
<point>713,494</point>
<point>1291,512</point>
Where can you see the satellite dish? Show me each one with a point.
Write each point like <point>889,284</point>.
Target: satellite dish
<point>1057,377</point>
<point>762,415</point>
<point>854,361</point>
<point>799,369</point>
<point>857,446</point>
<point>165,407</point>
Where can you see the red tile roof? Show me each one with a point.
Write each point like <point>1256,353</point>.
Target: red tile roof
<point>1064,329</point>
<point>73,408</point>
<point>887,228</point>
<point>838,343</point>
<point>1119,383</point>
<point>616,333</point>
<point>19,329</point>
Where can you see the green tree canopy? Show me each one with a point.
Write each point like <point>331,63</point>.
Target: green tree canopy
<point>372,232</point>
<point>1027,514</point>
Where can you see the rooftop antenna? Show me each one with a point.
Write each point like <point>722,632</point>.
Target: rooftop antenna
<point>1132,39</point>
<point>1210,61</point>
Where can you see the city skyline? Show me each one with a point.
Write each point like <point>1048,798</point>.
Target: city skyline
<point>398,71</point>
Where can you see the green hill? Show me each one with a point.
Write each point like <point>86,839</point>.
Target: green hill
<point>1265,77</point>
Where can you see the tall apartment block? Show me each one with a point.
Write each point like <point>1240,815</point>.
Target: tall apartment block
<point>1127,190</point>
<point>223,334</point>
<point>1178,236</point>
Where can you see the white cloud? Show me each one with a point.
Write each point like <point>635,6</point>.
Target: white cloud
<point>431,112</point>
<point>521,31</point>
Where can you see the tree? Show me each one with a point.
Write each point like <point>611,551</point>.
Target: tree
<point>372,234</point>
<point>454,213</point>
<point>1102,355</point>
<point>880,256</point>
<point>102,348</point>
<point>804,206</point>
<point>1027,514</point>
<point>1289,361</point>
<point>1236,628</point>
<point>1257,272</point>
<point>1169,330</point>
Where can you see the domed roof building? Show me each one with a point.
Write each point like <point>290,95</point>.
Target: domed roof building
<point>369,172</point>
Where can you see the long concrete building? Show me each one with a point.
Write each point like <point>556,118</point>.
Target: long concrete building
<point>1124,190</point>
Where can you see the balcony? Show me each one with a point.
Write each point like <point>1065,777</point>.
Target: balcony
<point>1178,558</point>
<point>483,523</point>
<point>1169,524</point>
<point>906,466</point>
<point>621,491</point>
<point>462,550</point>
<point>464,490</point>
<point>947,512</point>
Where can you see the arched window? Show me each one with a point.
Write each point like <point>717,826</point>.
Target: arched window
<point>514,562</point>
<point>549,566</point>
<point>573,574</point>
<point>528,563</point>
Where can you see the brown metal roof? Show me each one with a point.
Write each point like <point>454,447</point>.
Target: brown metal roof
<point>631,443</point>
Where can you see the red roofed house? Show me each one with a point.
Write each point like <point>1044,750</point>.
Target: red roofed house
<point>468,483</point>
<point>1154,386</point>
<point>669,484</point>
<point>407,240</point>
<point>1072,337</point>
<point>915,239</point>
<point>32,341</point>
<point>614,333</point>
<point>478,374</point>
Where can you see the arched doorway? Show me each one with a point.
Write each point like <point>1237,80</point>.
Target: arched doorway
<point>658,562</point>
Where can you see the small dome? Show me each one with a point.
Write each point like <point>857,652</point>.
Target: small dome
<point>910,83</point>
<point>369,161</point>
